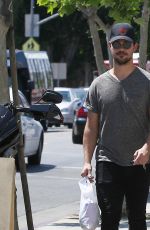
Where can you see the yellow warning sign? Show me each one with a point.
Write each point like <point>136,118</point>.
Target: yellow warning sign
<point>31,44</point>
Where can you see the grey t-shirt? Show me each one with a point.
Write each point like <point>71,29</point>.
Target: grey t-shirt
<point>123,107</point>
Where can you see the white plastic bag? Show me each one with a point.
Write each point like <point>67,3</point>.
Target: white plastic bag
<point>89,214</point>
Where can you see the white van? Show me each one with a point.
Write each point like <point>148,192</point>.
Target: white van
<point>34,75</point>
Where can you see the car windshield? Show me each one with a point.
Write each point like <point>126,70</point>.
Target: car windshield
<point>66,95</point>
<point>80,93</point>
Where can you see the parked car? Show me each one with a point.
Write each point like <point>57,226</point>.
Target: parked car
<point>79,122</point>
<point>33,134</point>
<point>79,125</point>
<point>80,93</point>
<point>72,100</point>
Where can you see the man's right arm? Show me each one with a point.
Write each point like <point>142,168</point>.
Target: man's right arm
<point>89,142</point>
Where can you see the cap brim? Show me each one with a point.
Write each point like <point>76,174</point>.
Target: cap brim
<point>121,37</point>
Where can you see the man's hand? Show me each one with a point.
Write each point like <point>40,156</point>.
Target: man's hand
<point>87,171</point>
<point>141,156</point>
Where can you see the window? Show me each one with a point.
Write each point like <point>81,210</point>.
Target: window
<point>66,95</point>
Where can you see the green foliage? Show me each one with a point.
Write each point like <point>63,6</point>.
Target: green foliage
<point>139,21</point>
<point>125,10</point>
<point>120,10</point>
<point>67,6</point>
<point>51,5</point>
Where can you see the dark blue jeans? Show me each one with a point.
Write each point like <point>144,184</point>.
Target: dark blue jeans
<point>113,182</point>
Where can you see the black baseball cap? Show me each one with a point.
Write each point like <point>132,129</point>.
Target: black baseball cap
<point>122,31</point>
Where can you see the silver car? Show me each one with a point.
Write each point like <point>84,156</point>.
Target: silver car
<point>72,99</point>
<point>33,134</point>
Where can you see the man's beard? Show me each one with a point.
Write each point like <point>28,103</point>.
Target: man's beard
<point>122,61</point>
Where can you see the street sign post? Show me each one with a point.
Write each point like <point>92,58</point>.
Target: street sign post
<point>31,44</point>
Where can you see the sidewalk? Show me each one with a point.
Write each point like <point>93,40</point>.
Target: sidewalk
<point>72,222</point>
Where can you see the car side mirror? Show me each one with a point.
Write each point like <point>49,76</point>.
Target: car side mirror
<point>52,96</point>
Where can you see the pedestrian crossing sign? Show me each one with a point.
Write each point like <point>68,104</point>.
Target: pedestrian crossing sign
<point>31,44</point>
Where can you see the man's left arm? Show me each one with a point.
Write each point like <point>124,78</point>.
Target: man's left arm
<point>142,155</point>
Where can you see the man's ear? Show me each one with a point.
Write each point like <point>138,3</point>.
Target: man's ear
<point>109,44</point>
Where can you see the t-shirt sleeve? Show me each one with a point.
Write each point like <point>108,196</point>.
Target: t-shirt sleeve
<point>92,100</point>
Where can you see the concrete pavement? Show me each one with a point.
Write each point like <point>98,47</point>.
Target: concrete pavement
<point>72,222</point>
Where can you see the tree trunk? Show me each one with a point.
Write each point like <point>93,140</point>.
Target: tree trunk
<point>106,28</point>
<point>96,45</point>
<point>22,166</point>
<point>4,92</point>
<point>87,74</point>
<point>144,35</point>
<point>91,16</point>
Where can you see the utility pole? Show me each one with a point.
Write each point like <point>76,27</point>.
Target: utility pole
<point>47,19</point>
<point>32,17</point>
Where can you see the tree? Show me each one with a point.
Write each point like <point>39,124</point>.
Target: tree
<point>119,11</point>
<point>64,41</point>
<point>5,8</point>
<point>144,31</point>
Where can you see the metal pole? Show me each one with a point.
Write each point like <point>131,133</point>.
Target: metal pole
<point>47,19</point>
<point>32,18</point>
<point>22,166</point>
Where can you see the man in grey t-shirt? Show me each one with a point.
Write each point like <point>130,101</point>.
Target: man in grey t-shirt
<point>118,105</point>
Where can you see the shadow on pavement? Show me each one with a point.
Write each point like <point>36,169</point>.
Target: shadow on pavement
<point>72,221</point>
<point>39,168</point>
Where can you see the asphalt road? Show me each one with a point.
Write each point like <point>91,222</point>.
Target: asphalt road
<point>53,186</point>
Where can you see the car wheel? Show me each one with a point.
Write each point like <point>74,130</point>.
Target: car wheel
<point>76,139</point>
<point>36,159</point>
<point>70,126</point>
<point>57,125</point>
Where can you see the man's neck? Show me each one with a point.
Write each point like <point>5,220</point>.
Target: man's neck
<point>122,71</point>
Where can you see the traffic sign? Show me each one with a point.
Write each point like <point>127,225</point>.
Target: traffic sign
<point>31,26</point>
<point>31,44</point>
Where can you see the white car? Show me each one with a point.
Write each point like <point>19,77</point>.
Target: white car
<point>72,99</point>
<point>33,134</point>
